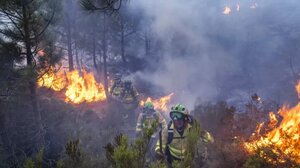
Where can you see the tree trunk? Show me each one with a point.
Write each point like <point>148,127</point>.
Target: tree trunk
<point>123,43</point>
<point>78,65</point>
<point>69,41</point>
<point>34,121</point>
<point>104,47</point>
<point>32,83</point>
<point>100,63</point>
<point>76,48</point>
<point>77,57</point>
<point>94,51</point>
<point>76,53</point>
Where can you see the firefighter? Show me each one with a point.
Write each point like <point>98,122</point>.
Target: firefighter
<point>173,142</point>
<point>129,93</point>
<point>148,123</point>
<point>147,117</point>
<point>129,99</point>
<point>117,87</point>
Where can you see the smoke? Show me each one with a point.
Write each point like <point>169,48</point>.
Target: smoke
<point>206,55</point>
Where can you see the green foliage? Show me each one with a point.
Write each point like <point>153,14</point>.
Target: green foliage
<point>193,139</point>
<point>124,155</point>
<point>39,158</point>
<point>23,30</point>
<point>60,164</point>
<point>29,164</point>
<point>10,53</point>
<point>121,154</point>
<point>75,156</point>
<point>26,29</point>
<point>149,130</point>
<point>158,164</point>
<point>194,149</point>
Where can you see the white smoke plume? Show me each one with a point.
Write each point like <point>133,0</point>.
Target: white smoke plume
<point>207,55</point>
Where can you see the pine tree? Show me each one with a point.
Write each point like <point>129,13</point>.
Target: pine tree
<point>26,39</point>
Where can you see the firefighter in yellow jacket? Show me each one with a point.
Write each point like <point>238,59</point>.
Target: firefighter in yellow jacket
<point>129,93</point>
<point>173,142</point>
<point>147,117</point>
<point>117,87</point>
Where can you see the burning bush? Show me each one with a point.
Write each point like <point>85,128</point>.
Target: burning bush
<point>278,143</point>
<point>78,86</point>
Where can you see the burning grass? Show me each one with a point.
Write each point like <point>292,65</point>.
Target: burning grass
<point>77,87</point>
<point>281,142</point>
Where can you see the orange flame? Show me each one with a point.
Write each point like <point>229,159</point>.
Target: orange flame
<point>273,120</point>
<point>284,138</point>
<point>78,88</point>
<point>298,89</point>
<point>51,80</point>
<point>83,89</point>
<point>226,10</point>
<point>159,104</point>
<point>258,129</point>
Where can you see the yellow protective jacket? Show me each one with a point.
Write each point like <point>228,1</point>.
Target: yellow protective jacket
<point>129,95</point>
<point>145,120</point>
<point>177,144</point>
<point>116,89</point>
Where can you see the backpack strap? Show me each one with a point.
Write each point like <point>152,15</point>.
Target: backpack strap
<point>131,91</point>
<point>169,141</point>
<point>154,115</point>
<point>170,133</point>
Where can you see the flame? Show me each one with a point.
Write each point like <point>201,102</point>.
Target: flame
<point>298,89</point>
<point>258,129</point>
<point>226,10</point>
<point>159,104</point>
<point>273,120</point>
<point>78,88</point>
<point>52,80</point>
<point>283,138</point>
<point>83,89</point>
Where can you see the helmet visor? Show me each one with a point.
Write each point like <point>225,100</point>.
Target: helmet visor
<point>176,116</point>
